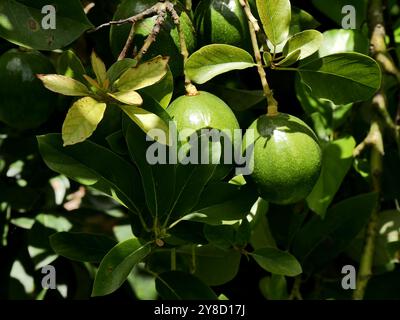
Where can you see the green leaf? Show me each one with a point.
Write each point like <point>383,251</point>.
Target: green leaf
<point>39,247</point>
<point>333,10</point>
<point>64,85</point>
<point>275,16</point>
<point>119,68</point>
<point>237,99</point>
<point>117,265</point>
<point>277,261</point>
<point>148,122</point>
<point>308,42</point>
<point>83,247</point>
<point>356,77</point>
<point>178,285</point>
<point>215,59</point>
<point>99,69</point>
<point>301,20</point>
<point>290,59</point>
<point>221,202</point>
<point>221,236</point>
<point>214,266</point>
<point>81,120</point>
<point>131,98</point>
<point>158,180</point>
<point>69,65</point>
<point>143,75</point>
<point>90,164</point>
<point>337,159</point>
<point>274,287</point>
<point>321,240</point>
<point>162,91</point>
<point>21,23</point>
<point>341,40</point>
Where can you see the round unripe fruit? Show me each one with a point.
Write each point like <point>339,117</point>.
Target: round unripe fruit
<point>25,102</point>
<point>287,158</point>
<point>167,42</point>
<point>222,21</point>
<point>205,111</point>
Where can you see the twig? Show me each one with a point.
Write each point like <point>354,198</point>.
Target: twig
<point>133,19</point>
<point>272,103</point>
<point>190,88</point>
<point>128,43</point>
<point>250,15</point>
<point>378,49</point>
<point>161,15</point>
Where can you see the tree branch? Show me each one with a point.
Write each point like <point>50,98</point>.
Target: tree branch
<point>272,103</point>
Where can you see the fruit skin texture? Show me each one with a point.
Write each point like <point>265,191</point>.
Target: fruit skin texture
<point>25,102</point>
<point>205,110</point>
<point>287,158</point>
<point>222,21</point>
<point>167,42</point>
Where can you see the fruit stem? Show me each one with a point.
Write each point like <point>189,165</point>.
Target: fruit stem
<point>272,103</point>
<point>189,86</point>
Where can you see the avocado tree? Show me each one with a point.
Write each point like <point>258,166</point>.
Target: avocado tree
<point>213,149</point>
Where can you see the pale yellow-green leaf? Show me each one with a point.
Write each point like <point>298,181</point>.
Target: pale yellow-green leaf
<point>144,75</point>
<point>127,97</point>
<point>81,120</point>
<point>99,69</point>
<point>92,82</point>
<point>147,121</point>
<point>64,85</point>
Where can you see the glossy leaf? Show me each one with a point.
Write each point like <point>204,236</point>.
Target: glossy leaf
<point>222,202</point>
<point>63,85</point>
<point>81,120</point>
<point>158,180</point>
<point>333,10</point>
<point>69,65</point>
<point>117,265</point>
<point>308,42</point>
<point>143,75</point>
<point>131,98</point>
<point>237,99</point>
<point>148,121</point>
<point>357,77</point>
<point>22,23</point>
<point>89,164</point>
<point>178,285</point>
<point>84,247</point>
<point>215,59</point>
<point>162,91</point>
<point>277,261</point>
<point>214,266</point>
<point>337,158</point>
<point>99,68</point>
<point>341,40</point>
<point>275,16</point>
<point>321,240</point>
<point>274,287</point>
<point>119,67</point>
<point>290,59</point>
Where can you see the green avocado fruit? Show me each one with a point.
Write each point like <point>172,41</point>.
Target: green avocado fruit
<point>222,21</point>
<point>205,111</point>
<point>25,103</point>
<point>167,42</point>
<point>287,157</point>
